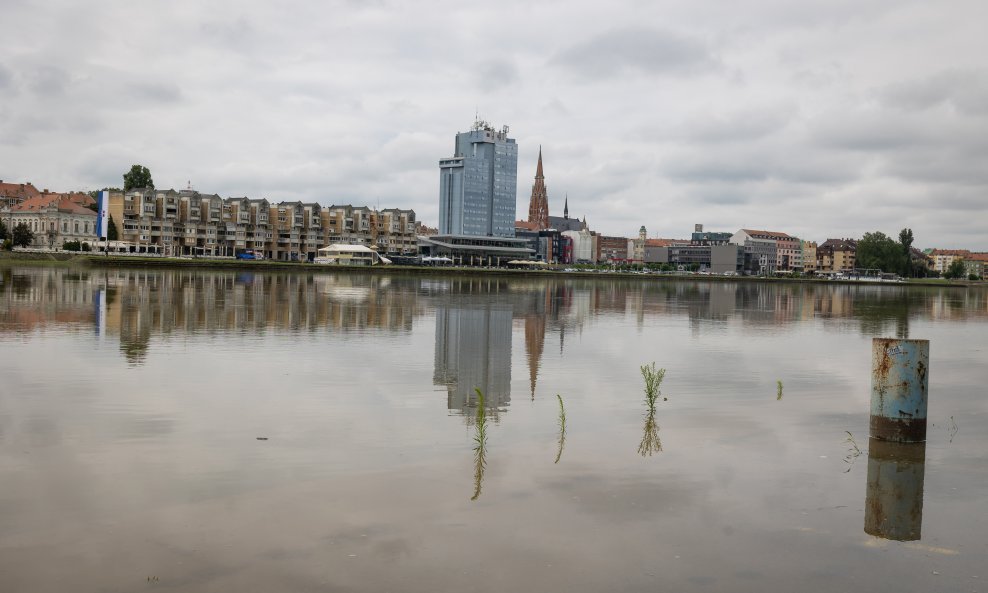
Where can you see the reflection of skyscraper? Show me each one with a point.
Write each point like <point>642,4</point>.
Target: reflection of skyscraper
<point>473,349</point>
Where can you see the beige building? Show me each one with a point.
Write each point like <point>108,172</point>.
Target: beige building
<point>942,258</point>
<point>188,222</point>
<point>808,256</point>
<point>54,219</point>
<point>836,255</point>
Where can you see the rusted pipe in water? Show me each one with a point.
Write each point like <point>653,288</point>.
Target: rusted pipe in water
<point>899,381</point>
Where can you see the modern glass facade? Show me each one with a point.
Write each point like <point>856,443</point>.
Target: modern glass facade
<point>478,184</point>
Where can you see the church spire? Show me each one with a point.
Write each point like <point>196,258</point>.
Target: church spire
<point>538,206</point>
<point>566,207</point>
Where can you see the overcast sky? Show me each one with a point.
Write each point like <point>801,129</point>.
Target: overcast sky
<point>818,118</point>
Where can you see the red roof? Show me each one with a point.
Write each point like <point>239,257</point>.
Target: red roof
<point>21,191</point>
<point>767,234</point>
<point>665,242</point>
<point>63,202</point>
<point>963,252</point>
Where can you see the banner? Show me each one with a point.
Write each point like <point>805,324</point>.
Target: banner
<point>102,214</point>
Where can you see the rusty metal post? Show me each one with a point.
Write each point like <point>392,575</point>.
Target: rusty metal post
<point>894,500</point>
<point>899,381</point>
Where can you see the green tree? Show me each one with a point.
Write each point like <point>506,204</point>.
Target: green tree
<point>906,241</point>
<point>111,230</point>
<point>879,251</point>
<point>3,231</point>
<point>139,177</point>
<point>955,269</point>
<point>23,236</point>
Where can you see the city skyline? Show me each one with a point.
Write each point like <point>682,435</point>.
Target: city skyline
<point>827,119</point>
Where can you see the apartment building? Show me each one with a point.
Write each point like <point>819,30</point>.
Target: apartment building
<point>942,258</point>
<point>836,255</point>
<point>187,222</point>
<point>788,255</point>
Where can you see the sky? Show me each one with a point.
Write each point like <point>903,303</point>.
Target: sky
<point>821,119</point>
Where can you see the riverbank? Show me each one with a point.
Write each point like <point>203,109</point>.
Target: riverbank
<point>94,260</point>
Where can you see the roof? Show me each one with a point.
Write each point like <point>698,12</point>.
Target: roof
<point>664,242</point>
<point>983,257</point>
<point>767,234</point>
<point>963,252</point>
<point>528,226</point>
<point>63,202</point>
<point>346,248</point>
<point>21,191</point>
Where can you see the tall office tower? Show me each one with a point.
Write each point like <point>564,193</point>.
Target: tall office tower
<point>478,184</point>
<point>538,205</point>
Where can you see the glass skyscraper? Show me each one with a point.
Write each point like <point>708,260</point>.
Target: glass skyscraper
<point>478,184</point>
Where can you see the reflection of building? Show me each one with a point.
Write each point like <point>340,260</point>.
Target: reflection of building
<point>473,348</point>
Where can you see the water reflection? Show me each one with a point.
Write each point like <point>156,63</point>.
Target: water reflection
<point>479,445</point>
<point>145,304</point>
<point>473,344</point>
<point>894,501</point>
<point>562,428</point>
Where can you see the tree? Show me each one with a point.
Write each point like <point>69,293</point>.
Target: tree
<point>111,230</point>
<point>23,236</point>
<point>879,251</point>
<point>955,269</point>
<point>138,177</point>
<point>906,241</point>
<point>3,231</point>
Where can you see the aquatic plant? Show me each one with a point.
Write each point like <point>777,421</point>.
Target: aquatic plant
<point>562,428</point>
<point>779,384</point>
<point>653,379</point>
<point>480,445</point>
<point>650,442</point>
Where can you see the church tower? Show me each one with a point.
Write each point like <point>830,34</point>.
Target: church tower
<point>538,206</point>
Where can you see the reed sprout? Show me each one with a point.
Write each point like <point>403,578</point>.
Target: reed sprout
<point>650,442</point>
<point>778,384</point>
<point>653,379</point>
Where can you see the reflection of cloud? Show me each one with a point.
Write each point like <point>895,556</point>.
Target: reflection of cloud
<point>627,499</point>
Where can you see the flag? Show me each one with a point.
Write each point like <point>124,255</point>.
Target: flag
<point>102,214</point>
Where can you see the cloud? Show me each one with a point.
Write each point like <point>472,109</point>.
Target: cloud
<point>964,90</point>
<point>6,78</point>
<point>636,51</point>
<point>496,74</point>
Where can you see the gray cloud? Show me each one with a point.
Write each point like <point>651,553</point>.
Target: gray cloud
<point>6,78</point>
<point>636,50</point>
<point>814,119</point>
<point>496,74</point>
<point>966,91</point>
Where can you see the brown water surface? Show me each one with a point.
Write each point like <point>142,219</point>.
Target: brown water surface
<point>194,431</point>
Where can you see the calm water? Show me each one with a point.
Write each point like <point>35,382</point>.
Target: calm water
<point>132,404</point>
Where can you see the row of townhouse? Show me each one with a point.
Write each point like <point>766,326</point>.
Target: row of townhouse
<point>188,222</point>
